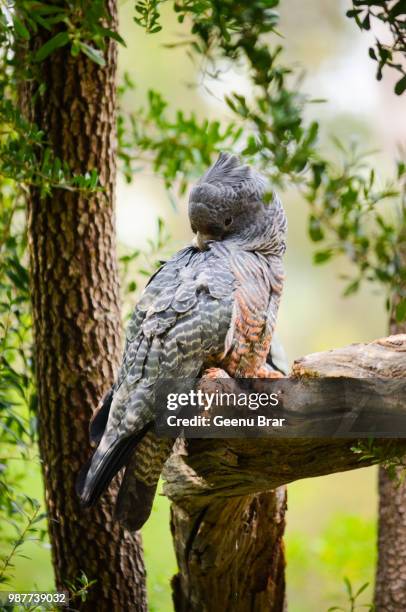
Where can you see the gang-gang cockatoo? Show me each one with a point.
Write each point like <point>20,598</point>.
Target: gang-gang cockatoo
<point>212,305</point>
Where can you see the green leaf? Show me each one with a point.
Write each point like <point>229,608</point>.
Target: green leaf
<point>353,12</point>
<point>398,9</point>
<point>372,53</point>
<point>348,586</point>
<point>114,35</point>
<point>20,28</point>
<point>59,40</point>
<point>352,288</point>
<point>400,86</point>
<point>366,24</point>
<point>322,256</point>
<point>401,166</point>
<point>315,231</point>
<point>95,54</point>
<point>361,589</point>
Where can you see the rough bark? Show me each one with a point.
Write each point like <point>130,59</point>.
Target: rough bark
<point>214,483</point>
<point>231,555</point>
<point>390,587</point>
<point>75,298</point>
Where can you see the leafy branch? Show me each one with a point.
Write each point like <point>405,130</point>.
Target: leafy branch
<point>391,54</point>
<point>368,450</point>
<point>353,596</point>
<point>84,25</point>
<point>31,516</point>
<point>177,148</point>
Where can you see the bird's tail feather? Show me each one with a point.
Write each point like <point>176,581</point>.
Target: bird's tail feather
<point>96,475</point>
<point>134,502</point>
<point>138,488</point>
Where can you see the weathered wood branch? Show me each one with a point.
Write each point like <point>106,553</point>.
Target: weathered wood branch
<point>220,489</point>
<point>208,468</point>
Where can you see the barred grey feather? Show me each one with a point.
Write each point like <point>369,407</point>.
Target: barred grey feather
<point>137,490</point>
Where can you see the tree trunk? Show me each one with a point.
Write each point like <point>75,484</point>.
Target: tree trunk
<point>390,588</point>
<point>76,311</point>
<point>231,555</point>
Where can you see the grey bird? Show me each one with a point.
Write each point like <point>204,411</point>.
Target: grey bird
<point>213,305</point>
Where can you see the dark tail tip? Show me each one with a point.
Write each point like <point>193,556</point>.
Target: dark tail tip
<point>99,471</point>
<point>80,483</point>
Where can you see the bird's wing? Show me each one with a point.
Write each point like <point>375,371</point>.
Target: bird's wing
<point>100,416</point>
<point>167,277</point>
<point>181,320</point>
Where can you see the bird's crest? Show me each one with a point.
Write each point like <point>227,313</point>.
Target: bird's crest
<point>231,179</point>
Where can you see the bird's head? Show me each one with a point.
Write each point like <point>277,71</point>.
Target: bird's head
<point>227,201</point>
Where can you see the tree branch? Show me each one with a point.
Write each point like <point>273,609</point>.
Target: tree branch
<point>206,470</point>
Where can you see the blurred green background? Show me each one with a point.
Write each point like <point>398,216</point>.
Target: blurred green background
<point>331,520</point>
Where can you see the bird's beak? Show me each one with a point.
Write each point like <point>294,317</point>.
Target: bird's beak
<point>200,240</point>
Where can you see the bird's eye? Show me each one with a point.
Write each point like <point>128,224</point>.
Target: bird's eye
<point>228,221</point>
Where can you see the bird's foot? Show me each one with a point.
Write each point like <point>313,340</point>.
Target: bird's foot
<point>214,373</point>
<point>266,371</point>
